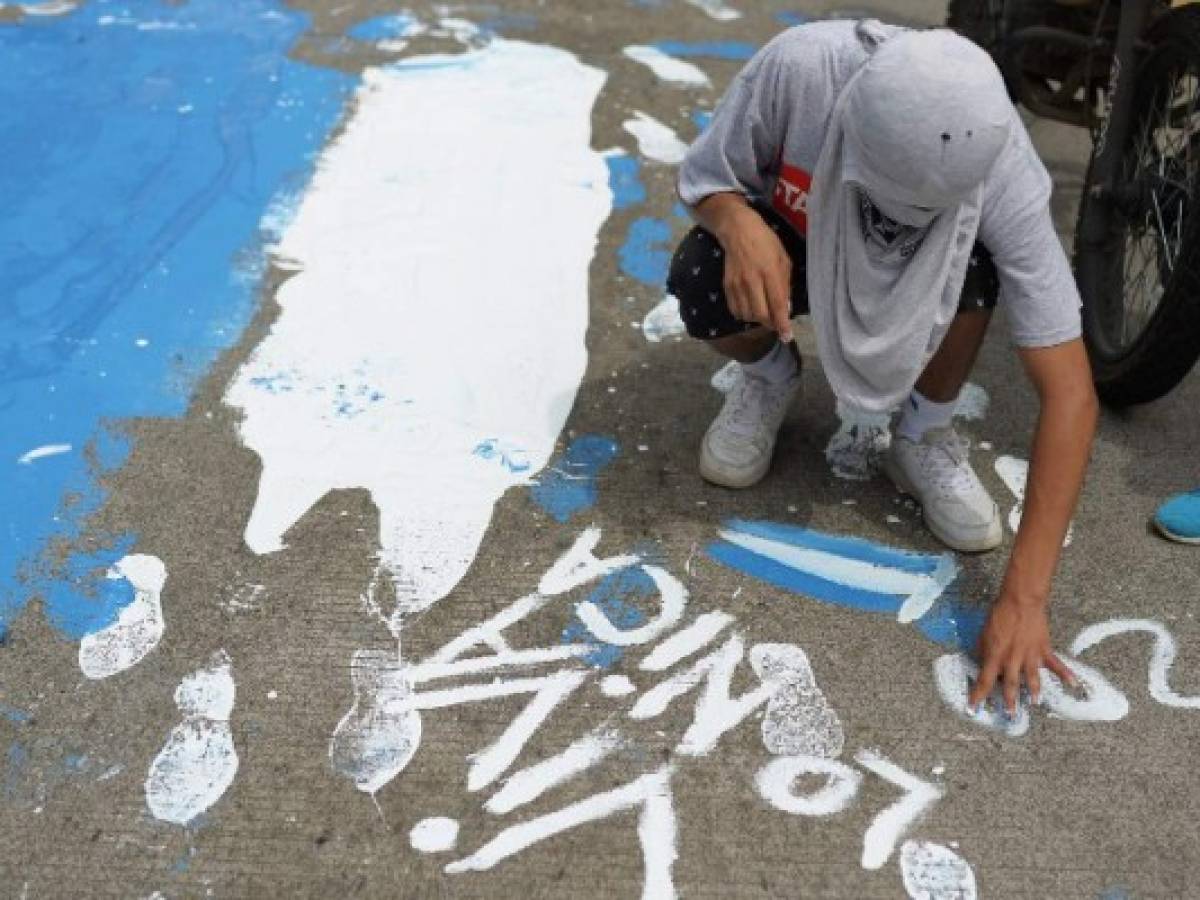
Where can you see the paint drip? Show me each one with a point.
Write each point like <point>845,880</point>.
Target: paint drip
<point>139,625</point>
<point>799,721</point>
<point>934,872</point>
<point>363,397</point>
<point>655,140</point>
<point>673,71</point>
<point>198,762</point>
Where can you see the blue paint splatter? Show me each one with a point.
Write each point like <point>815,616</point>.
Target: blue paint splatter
<point>701,118</point>
<point>616,596</point>
<point>155,154</point>
<point>646,253</point>
<point>624,179</point>
<point>382,28</point>
<point>511,457</point>
<point>569,484</point>
<point>15,762</point>
<point>736,50</point>
<point>790,18</point>
<point>14,715</point>
<point>1115,893</point>
<point>949,622</point>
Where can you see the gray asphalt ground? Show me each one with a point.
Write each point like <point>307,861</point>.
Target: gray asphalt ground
<point>1073,809</point>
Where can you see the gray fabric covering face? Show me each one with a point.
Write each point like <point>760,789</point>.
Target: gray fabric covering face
<point>916,130</point>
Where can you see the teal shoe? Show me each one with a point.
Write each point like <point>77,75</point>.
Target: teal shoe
<point>1179,518</point>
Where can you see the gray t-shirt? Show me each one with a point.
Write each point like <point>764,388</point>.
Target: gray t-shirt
<point>767,133</point>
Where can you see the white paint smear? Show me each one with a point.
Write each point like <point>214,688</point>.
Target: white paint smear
<point>953,674</point>
<point>663,321</point>
<point>50,8</point>
<point>669,69</point>
<point>881,837</point>
<point>1101,702</point>
<point>1014,473</point>
<point>529,784</point>
<point>1162,657</point>
<point>716,9</point>
<point>673,600</point>
<point>776,779</point>
<point>655,140</point>
<point>687,641</point>
<point>434,835</point>
<point>799,720</point>
<point>139,625</point>
<point>463,198</point>
<point>973,402</point>
<point>198,762</point>
<point>378,737</point>
<point>42,452</point>
<point>933,872</point>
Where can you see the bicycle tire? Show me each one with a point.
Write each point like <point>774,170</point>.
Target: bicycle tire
<point>1147,366</point>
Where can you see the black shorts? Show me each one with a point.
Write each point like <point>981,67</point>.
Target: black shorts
<point>698,270</point>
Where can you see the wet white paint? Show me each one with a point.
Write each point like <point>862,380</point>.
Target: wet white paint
<point>434,835</point>
<point>973,402</point>
<point>799,721</point>
<point>716,9</point>
<point>139,625</point>
<point>1100,701</point>
<point>776,778</point>
<point>663,321</point>
<point>933,872</point>
<point>687,641</point>
<point>655,140</point>
<point>613,686</point>
<point>528,784</point>
<point>669,69</point>
<point>1014,472</point>
<point>198,762</point>
<point>1162,656</point>
<point>422,237</point>
<point>953,674</point>
<point>886,830</point>
<point>43,452</point>
<point>378,737</point>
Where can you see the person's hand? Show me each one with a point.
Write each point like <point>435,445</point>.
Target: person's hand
<point>758,274</point>
<point>1015,643</point>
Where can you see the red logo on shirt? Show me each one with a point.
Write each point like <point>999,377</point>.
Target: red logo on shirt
<point>791,196</point>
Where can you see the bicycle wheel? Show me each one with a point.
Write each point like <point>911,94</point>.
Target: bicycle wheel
<point>1141,283</point>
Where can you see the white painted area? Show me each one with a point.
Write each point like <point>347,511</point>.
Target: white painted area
<point>579,565</point>
<point>49,8</point>
<point>509,659</point>
<point>953,674</point>
<point>934,872</point>
<point>379,735</point>
<point>1101,702</point>
<point>655,140</point>
<point>921,590</point>
<point>673,601</point>
<point>657,831</point>
<point>614,686</point>
<point>1014,472</point>
<point>799,721</point>
<point>716,9</point>
<point>434,835</point>
<point>44,451</point>
<point>687,641</point>
<point>973,402</point>
<point>528,784</point>
<point>726,378</point>
<point>776,778</point>
<point>669,69</point>
<point>198,762</point>
<point>139,625</point>
<point>460,201</point>
<point>1162,656</point>
<point>881,837</point>
<point>663,321</point>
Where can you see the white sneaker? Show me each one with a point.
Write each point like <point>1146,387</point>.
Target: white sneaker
<point>736,451</point>
<point>936,472</point>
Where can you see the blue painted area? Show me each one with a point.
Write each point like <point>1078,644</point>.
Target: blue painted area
<point>625,180</point>
<point>511,457</point>
<point>736,50</point>
<point>382,28</point>
<point>16,761</point>
<point>1115,893</point>
<point>14,715</point>
<point>142,145</point>
<point>791,18</point>
<point>702,118</point>
<point>680,211</point>
<point>616,596</point>
<point>950,622</point>
<point>569,484</point>
<point>646,253</point>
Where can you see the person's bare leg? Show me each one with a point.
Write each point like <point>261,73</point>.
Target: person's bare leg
<point>947,372</point>
<point>745,347</point>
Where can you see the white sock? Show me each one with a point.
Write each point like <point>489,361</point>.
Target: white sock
<point>922,414</point>
<point>776,367</point>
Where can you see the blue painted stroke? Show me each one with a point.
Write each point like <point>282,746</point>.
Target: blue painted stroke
<point>142,146</point>
<point>625,181</point>
<point>646,253</point>
<point>735,50</point>
<point>14,715</point>
<point>568,485</point>
<point>616,596</point>
<point>701,118</point>
<point>950,622</point>
<point>382,28</point>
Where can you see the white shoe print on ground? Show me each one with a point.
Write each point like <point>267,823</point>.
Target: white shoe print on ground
<point>139,626</point>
